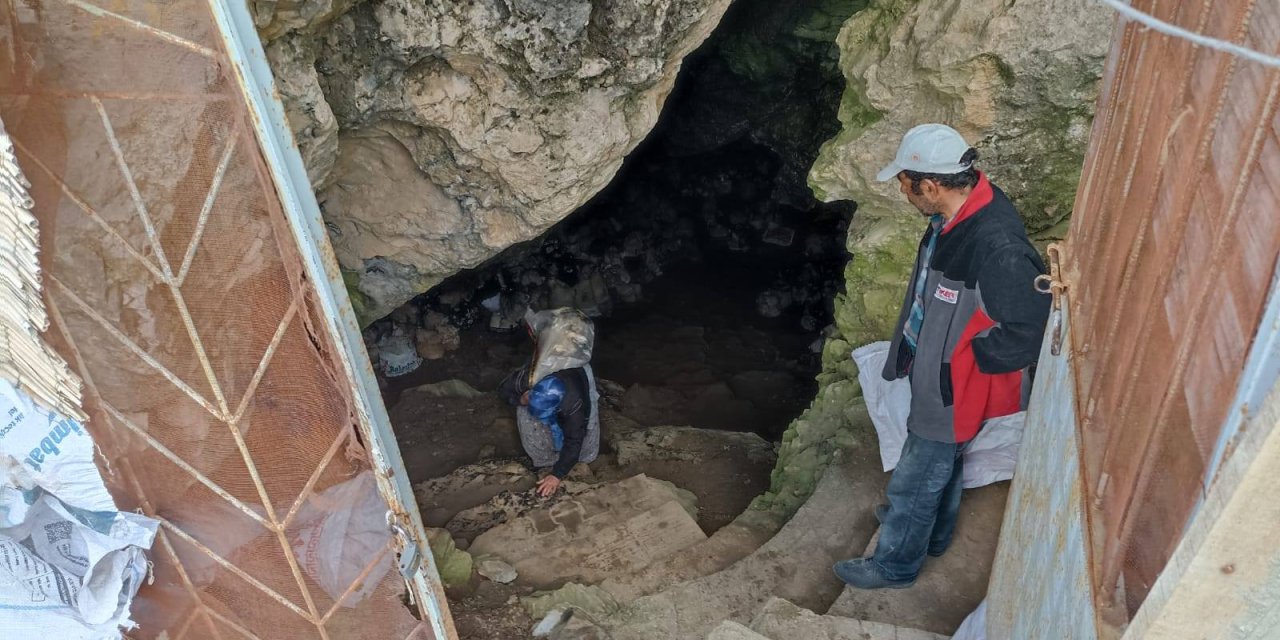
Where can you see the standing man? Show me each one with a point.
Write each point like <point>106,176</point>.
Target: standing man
<point>971,324</point>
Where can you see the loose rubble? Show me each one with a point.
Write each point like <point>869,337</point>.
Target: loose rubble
<point>601,263</point>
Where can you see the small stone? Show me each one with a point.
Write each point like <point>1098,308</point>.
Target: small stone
<point>552,621</point>
<point>497,571</point>
<point>771,304</point>
<point>592,67</point>
<point>780,236</point>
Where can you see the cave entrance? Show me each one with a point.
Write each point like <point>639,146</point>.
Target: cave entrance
<point>707,264</point>
<point>710,271</point>
<point>709,296</point>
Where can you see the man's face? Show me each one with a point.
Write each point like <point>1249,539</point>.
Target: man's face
<point>927,201</point>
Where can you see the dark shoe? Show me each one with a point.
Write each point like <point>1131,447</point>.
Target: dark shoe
<point>936,553</point>
<point>864,574</point>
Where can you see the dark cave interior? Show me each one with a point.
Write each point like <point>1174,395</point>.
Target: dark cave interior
<point>708,265</point>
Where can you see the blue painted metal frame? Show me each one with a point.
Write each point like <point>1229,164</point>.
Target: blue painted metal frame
<point>1261,370</point>
<point>300,207</point>
<point>1041,585</point>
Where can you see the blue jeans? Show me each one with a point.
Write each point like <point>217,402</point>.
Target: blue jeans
<point>924,500</point>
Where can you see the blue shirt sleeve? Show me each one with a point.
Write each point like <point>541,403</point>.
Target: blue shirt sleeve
<point>544,403</point>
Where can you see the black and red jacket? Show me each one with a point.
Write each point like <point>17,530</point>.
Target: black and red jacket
<point>983,321</point>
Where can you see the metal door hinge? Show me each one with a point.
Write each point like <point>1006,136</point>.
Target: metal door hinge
<point>1055,285</point>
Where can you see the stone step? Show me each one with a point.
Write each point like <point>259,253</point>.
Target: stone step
<point>795,564</point>
<point>726,546</point>
<point>730,630</point>
<point>782,619</point>
<point>948,588</point>
<point>608,531</point>
<point>735,467</point>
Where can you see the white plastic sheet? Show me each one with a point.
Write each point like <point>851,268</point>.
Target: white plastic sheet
<point>343,528</point>
<point>974,627</point>
<point>70,563</point>
<point>991,455</point>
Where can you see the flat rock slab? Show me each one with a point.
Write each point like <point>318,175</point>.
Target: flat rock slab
<point>587,538</point>
<point>949,588</point>
<point>782,619</point>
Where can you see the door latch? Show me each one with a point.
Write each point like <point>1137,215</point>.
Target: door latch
<point>1055,285</point>
<point>410,554</point>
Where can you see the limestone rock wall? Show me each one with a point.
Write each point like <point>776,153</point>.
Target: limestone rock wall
<point>1019,81</point>
<point>475,124</point>
<point>439,132</point>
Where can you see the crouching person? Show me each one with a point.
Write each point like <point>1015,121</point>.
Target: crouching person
<point>556,396</point>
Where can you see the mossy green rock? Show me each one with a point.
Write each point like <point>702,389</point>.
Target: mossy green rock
<point>592,601</point>
<point>1019,81</point>
<point>454,565</point>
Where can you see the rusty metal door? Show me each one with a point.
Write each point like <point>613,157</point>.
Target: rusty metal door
<point>191,285</point>
<point>1170,257</point>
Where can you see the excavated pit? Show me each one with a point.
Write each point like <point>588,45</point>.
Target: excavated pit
<point>711,271</point>
<point>708,265</point>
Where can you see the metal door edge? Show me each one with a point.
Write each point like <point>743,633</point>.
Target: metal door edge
<point>298,202</point>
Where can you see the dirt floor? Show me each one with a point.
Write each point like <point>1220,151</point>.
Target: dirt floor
<point>681,358</point>
<point>685,357</point>
<point>492,612</point>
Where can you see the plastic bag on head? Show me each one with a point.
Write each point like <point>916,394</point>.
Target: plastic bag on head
<point>565,339</point>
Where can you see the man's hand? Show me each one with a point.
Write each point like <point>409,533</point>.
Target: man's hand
<point>548,485</point>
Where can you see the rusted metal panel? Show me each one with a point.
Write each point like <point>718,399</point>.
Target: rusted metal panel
<point>194,299</point>
<point>1040,585</point>
<point>289,178</point>
<point>1173,241</point>
<point>1223,579</point>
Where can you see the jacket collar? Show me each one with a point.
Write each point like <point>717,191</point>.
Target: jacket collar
<point>981,196</point>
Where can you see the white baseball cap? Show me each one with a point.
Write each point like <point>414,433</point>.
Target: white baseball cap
<point>928,148</point>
